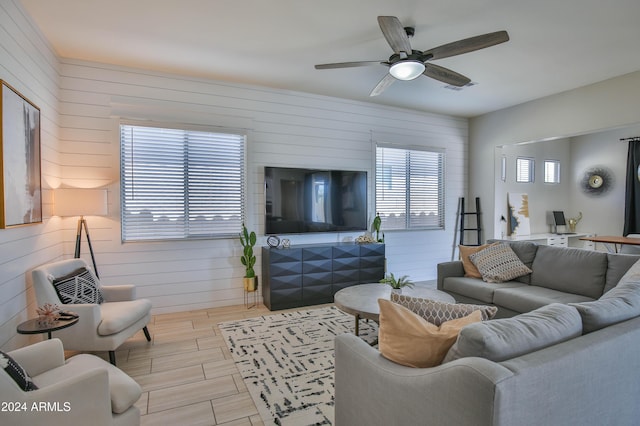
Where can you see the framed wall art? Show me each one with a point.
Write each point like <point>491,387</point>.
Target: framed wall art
<point>20,142</point>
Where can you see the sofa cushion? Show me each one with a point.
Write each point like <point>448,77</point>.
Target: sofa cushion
<point>408,339</point>
<point>117,316</point>
<point>498,263</point>
<point>79,286</point>
<point>526,252</point>
<point>501,339</point>
<point>571,270</point>
<point>617,266</point>
<point>528,298</point>
<point>475,288</point>
<point>16,372</point>
<point>470,269</point>
<point>437,312</point>
<point>618,304</point>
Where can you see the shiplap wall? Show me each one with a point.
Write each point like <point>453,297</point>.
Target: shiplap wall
<point>284,129</point>
<point>28,64</point>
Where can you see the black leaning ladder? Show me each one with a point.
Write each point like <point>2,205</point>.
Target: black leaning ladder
<point>465,226</point>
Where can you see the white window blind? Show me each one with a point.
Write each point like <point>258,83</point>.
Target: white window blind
<point>179,184</point>
<point>525,169</point>
<point>410,188</point>
<point>551,171</point>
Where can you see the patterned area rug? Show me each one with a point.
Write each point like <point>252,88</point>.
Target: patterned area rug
<point>287,362</point>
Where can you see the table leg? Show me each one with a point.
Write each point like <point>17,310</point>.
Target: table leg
<point>49,334</point>
<point>357,324</point>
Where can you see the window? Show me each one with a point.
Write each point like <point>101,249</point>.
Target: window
<point>179,184</point>
<point>410,188</point>
<point>525,170</point>
<point>551,171</point>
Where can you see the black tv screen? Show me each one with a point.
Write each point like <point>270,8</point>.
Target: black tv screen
<point>314,200</point>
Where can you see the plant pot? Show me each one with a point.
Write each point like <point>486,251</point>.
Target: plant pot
<point>250,284</point>
<point>396,290</point>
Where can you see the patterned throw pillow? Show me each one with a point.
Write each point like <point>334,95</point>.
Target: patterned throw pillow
<point>470,269</point>
<point>408,339</point>
<point>80,286</point>
<point>438,312</point>
<point>16,372</point>
<point>499,263</point>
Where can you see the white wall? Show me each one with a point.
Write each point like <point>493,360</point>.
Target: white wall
<point>284,129</point>
<point>28,64</point>
<point>609,104</point>
<point>543,197</point>
<point>602,214</point>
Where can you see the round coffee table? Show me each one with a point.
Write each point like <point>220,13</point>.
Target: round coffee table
<point>361,300</point>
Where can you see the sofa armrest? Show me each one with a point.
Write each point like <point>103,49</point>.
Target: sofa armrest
<point>369,389</point>
<point>118,293</point>
<point>40,357</point>
<point>449,269</point>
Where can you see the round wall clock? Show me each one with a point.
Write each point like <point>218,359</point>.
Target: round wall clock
<point>596,181</point>
<point>273,241</point>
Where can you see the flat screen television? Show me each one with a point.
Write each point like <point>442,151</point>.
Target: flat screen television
<point>314,200</point>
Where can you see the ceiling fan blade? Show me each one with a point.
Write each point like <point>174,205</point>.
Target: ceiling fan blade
<point>395,34</point>
<point>445,75</point>
<point>382,86</point>
<point>347,65</point>
<point>467,45</point>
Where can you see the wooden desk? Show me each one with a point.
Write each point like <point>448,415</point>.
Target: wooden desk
<point>612,240</point>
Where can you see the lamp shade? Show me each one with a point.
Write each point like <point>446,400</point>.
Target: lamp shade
<point>80,202</point>
<point>407,70</point>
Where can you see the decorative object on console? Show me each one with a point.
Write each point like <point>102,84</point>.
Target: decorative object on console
<point>573,221</point>
<point>20,159</point>
<point>273,241</point>
<point>81,202</point>
<point>518,204</point>
<point>596,181</point>
<point>365,239</point>
<point>375,227</point>
<point>397,283</point>
<point>248,259</point>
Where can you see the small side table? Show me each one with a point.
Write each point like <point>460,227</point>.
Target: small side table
<point>33,327</point>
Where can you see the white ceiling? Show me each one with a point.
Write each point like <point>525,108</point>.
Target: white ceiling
<point>556,45</point>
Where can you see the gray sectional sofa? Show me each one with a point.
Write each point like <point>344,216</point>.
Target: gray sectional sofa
<point>561,364</point>
<point>560,275</point>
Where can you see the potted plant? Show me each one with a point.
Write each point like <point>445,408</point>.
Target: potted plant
<point>397,284</point>
<point>375,227</point>
<point>248,259</point>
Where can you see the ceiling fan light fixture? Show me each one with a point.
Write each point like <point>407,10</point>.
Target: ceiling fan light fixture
<point>407,70</point>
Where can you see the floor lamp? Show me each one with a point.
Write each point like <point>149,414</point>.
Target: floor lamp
<point>81,202</point>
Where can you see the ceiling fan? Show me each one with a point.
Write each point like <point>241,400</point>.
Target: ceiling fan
<point>408,64</point>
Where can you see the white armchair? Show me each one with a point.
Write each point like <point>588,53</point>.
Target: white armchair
<point>83,390</point>
<point>102,327</point>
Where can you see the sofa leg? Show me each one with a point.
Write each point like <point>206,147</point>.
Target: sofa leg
<point>112,357</point>
<point>146,333</point>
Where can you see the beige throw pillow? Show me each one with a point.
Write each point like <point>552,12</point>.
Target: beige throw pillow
<point>470,269</point>
<point>438,312</point>
<point>499,263</point>
<point>408,339</point>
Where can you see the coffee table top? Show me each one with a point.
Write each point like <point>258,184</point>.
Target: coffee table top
<point>362,300</point>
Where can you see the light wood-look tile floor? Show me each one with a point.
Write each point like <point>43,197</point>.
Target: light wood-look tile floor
<point>186,372</point>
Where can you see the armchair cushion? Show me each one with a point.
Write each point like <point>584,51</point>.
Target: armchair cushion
<point>79,286</point>
<point>118,316</point>
<point>16,372</point>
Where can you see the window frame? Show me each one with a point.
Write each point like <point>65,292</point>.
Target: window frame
<point>556,174</point>
<point>532,170</point>
<point>386,185</point>
<point>230,232</point>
